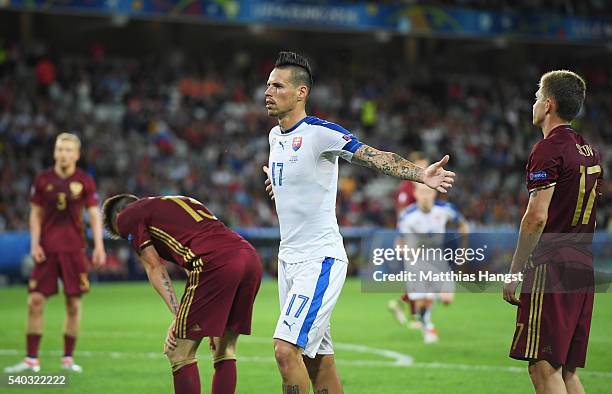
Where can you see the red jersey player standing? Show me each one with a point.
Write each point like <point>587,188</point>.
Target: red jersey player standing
<point>58,246</point>
<point>556,234</point>
<point>224,277</point>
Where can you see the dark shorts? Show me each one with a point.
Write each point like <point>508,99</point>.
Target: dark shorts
<point>70,267</point>
<point>219,296</point>
<point>554,316</point>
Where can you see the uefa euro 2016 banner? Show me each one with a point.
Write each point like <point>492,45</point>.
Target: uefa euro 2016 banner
<point>399,18</point>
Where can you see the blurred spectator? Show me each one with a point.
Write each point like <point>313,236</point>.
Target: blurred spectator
<point>198,127</point>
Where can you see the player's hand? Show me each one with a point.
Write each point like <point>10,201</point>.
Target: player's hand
<point>436,177</point>
<point>170,343</point>
<point>510,292</point>
<point>98,257</point>
<point>38,254</point>
<point>268,182</point>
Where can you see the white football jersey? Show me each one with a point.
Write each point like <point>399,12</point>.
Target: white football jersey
<point>414,221</point>
<point>304,172</point>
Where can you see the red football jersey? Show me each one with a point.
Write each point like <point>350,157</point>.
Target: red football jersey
<point>405,195</point>
<point>63,200</point>
<point>567,161</point>
<point>181,229</point>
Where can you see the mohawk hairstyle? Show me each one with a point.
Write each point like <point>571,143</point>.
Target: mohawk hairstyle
<point>302,73</point>
<point>111,208</point>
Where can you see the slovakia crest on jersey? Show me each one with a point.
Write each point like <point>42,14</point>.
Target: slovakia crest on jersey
<point>297,143</point>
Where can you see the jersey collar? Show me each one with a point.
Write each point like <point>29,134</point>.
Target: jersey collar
<point>559,129</point>
<point>295,126</point>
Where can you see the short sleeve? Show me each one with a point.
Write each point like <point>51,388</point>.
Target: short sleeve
<point>454,216</point>
<point>91,194</point>
<point>36,192</point>
<point>132,225</point>
<point>543,167</point>
<point>336,140</point>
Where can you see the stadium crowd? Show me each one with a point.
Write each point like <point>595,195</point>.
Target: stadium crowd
<point>194,125</point>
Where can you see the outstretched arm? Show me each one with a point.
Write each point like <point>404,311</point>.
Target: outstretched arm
<point>159,278</point>
<point>392,164</point>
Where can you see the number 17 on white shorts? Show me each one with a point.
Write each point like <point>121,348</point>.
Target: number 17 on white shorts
<point>308,292</point>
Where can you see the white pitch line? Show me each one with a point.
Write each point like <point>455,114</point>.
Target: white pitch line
<point>270,360</point>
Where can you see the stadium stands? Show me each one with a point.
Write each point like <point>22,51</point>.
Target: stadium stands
<point>175,124</point>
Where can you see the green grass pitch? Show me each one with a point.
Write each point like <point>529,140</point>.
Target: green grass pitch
<point>124,326</point>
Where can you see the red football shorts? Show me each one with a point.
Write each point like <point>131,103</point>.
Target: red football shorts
<point>219,296</point>
<point>70,267</point>
<point>554,316</point>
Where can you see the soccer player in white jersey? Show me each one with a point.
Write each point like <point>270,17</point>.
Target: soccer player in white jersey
<point>302,178</point>
<point>423,223</point>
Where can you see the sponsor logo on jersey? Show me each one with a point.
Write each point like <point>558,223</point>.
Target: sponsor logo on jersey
<point>293,159</point>
<point>348,137</point>
<point>297,143</point>
<point>282,144</point>
<point>538,176</point>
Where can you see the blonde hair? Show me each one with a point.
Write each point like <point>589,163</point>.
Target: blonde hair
<point>69,137</point>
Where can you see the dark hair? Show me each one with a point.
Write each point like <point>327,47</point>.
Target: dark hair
<point>302,74</point>
<point>567,89</point>
<point>111,208</point>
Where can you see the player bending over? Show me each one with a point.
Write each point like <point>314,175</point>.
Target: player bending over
<point>564,174</point>
<point>224,277</point>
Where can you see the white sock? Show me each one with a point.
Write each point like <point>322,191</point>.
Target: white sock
<point>426,317</point>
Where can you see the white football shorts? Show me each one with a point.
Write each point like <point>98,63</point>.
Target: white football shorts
<point>308,292</point>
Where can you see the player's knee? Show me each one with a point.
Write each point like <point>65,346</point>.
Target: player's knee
<point>179,358</point>
<point>285,353</point>
<point>72,308</point>
<point>541,371</point>
<point>36,302</point>
<point>569,374</point>
<point>228,353</point>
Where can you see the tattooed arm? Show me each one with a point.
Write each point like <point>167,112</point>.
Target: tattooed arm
<point>159,278</point>
<point>392,164</point>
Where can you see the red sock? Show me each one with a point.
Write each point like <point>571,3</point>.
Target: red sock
<point>187,380</point>
<point>224,380</point>
<point>412,307</point>
<point>32,340</point>
<point>69,342</point>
